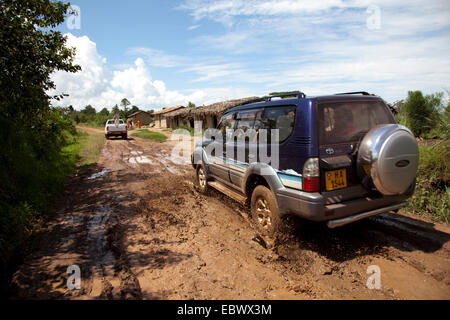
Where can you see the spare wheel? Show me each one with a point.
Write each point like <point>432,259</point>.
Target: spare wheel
<point>388,158</point>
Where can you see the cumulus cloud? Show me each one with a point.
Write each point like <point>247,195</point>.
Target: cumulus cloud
<point>96,84</point>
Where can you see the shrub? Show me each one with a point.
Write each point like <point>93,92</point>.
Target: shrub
<point>432,195</point>
<point>422,113</point>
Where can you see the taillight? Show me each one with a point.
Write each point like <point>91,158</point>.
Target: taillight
<point>311,184</point>
<point>311,175</point>
<point>107,128</point>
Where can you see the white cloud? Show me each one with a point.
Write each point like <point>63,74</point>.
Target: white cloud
<point>325,46</point>
<point>193,27</point>
<point>101,87</point>
<point>157,58</point>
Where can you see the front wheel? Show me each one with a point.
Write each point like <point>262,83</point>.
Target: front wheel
<point>264,211</point>
<point>201,179</point>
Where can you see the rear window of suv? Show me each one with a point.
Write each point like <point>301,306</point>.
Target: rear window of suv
<point>342,122</point>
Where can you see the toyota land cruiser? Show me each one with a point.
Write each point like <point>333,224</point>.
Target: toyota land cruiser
<point>339,158</point>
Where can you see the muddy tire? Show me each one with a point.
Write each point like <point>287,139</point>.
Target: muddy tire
<point>107,137</point>
<point>265,213</point>
<point>125,137</point>
<point>201,179</point>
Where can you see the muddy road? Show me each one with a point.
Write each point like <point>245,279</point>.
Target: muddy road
<point>137,229</point>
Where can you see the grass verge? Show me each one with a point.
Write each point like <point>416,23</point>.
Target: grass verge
<point>152,135</point>
<point>21,222</point>
<point>432,195</point>
<point>90,147</point>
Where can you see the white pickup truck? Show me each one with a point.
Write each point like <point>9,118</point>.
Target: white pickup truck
<point>113,130</point>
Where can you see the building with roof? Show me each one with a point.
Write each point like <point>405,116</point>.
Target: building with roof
<point>161,115</point>
<point>143,116</point>
<point>209,115</point>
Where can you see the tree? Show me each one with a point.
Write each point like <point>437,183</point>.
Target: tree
<point>104,112</point>
<point>32,133</point>
<point>134,109</point>
<point>89,110</point>
<point>115,109</point>
<point>30,51</point>
<point>124,103</point>
<point>422,112</point>
<point>191,105</point>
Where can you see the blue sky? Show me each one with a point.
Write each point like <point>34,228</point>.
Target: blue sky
<point>164,53</point>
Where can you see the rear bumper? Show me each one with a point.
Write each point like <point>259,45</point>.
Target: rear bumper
<point>116,133</point>
<point>313,206</point>
<point>343,221</point>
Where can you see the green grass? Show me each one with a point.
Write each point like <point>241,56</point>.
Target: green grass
<point>90,147</point>
<point>92,124</point>
<point>432,195</point>
<point>191,130</point>
<point>152,135</point>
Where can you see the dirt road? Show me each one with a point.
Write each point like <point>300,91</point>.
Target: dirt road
<point>137,229</point>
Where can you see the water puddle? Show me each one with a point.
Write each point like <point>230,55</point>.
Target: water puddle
<point>100,174</point>
<point>140,160</point>
<point>97,237</point>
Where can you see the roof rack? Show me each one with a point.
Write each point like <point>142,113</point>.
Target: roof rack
<point>298,95</point>
<point>364,93</point>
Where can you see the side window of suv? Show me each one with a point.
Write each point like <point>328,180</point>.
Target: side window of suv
<point>227,123</point>
<point>281,118</point>
<point>245,121</point>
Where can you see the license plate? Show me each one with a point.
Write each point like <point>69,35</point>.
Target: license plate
<point>117,133</point>
<point>336,179</point>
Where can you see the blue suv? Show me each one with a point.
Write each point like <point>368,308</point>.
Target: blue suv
<point>335,159</point>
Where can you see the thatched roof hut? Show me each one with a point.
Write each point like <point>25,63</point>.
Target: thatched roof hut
<point>219,108</point>
<point>210,115</point>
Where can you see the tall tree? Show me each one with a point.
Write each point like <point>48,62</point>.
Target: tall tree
<point>104,112</point>
<point>134,109</point>
<point>89,110</point>
<point>115,109</point>
<point>422,111</point>
<point>30,52</point>
<point>31,131</point>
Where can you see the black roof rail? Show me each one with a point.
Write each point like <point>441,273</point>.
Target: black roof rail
<point>298,95</point>
<point>253,101</point>
<point>364,93</point>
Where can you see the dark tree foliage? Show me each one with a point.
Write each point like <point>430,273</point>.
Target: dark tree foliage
<point>32,133</point>
<point>89,110</point>
<point>422,111</point>
<point>133,109</point>
<point>104,112</point>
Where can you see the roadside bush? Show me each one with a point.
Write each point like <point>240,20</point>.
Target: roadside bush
<point>421,113</point>
<point>33,166</point>
<point>432,195</point>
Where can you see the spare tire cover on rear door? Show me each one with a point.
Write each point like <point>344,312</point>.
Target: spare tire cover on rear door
<point>388,157</point>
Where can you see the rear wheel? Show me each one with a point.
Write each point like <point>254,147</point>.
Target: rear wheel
<point>125,137</point>
<point>265,212</point>
<point>201,179</point>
